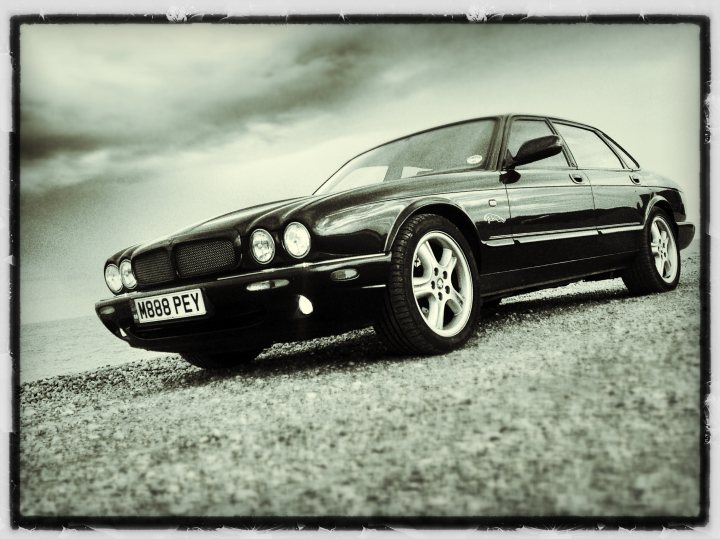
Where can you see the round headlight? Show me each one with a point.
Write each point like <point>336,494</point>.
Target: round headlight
<point>127,275</point>
<point>262,246</point>
<point>296,240</point>
<point>113,279</point>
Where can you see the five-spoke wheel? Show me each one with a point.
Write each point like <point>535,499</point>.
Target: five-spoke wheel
<point>431,299</point>
<point>662,246</point>
<point>442,284</point>
<point>656,267</point>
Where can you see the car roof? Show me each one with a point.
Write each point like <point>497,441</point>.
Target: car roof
<point>545,116</point>
<point>505,116</point>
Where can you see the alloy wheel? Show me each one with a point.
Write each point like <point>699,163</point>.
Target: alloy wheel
<point>664,250</point>
<point>442,283</point>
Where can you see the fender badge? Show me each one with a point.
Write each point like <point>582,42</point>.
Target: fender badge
<point>492,218</point>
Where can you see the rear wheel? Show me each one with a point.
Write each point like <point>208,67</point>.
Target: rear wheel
<point>225,360</point>
<point>657,266</point>
<point>431,298</point>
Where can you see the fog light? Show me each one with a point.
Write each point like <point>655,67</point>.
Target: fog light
<point>107,311</point>
<point>305,305</point>
<point>345,274</point>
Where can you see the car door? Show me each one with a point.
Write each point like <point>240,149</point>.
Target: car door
<point>616,184</point>
<point>551,207</point>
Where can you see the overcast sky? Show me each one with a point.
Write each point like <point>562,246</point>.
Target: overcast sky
<point>132,131</point>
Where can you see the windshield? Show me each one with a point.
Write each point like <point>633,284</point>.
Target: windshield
<point>454,148</point>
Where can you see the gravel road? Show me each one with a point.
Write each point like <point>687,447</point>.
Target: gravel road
<point>580,400</point>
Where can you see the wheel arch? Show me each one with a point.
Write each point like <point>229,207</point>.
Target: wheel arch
<point>662,203</point>
<point>453,213</point>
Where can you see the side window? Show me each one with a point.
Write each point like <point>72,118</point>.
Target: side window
<point>588,149</point>
<point>524,130</point>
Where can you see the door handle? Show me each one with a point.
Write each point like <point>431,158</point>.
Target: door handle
<point>635,178</point>
<point>577,177</point>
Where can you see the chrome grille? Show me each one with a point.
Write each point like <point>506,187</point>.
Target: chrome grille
<point>202,257</point>
<point>153,267</point>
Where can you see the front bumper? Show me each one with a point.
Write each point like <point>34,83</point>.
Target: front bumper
<point>686,233</point>
<point>238,318</point>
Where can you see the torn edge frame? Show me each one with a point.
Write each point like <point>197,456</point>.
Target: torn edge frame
<point>379,522</point>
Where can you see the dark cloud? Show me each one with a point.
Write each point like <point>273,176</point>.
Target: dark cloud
<point>38,146</point>
<point>183,111</point>
<point>217,97</point>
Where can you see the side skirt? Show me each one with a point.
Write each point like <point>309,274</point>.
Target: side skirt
<point>516,282</point>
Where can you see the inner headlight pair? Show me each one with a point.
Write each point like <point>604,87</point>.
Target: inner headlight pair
<point>296,241</point>
<point>116,278</point>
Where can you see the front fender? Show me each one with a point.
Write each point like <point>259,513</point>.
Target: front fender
<point>372,228</point>
<point>357,230</point>
<point>416,206</point>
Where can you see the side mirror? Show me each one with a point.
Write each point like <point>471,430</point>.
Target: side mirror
<point>535,150</point>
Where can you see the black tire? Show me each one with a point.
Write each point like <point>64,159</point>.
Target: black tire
<point>219,361</point>
<point>643,276</point>
<point>402,324</point>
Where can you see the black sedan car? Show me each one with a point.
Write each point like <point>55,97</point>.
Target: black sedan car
<point>413,237</point>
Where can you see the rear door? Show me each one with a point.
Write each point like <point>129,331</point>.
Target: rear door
<point>616,186</point>
<point>551,207</point>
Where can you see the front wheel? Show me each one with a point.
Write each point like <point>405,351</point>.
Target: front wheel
<point>225,360</point>
<point>657,266</point>
<point>431,300</point>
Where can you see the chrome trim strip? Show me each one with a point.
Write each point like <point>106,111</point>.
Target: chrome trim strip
<point>612,229</point>
<point>303,265</point>
<point>499,242</point>
<point>557,232</point>
<point>532,237</point>
<point>556,236</point>
<point>374,286</point>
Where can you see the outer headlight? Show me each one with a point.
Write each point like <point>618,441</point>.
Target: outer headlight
<point>296,240</point>
<point>113,279</point>
<point>126,274</point>
<point>262,246</point>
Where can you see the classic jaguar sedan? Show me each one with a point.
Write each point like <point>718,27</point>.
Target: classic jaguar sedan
<point>414,237</point>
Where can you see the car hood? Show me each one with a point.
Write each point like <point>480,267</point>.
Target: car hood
<point>310,210</point>
<point>245,219</point>
<point>275,215</point>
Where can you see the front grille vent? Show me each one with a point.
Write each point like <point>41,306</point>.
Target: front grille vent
<point>203,257</point>
<point>153,267</point>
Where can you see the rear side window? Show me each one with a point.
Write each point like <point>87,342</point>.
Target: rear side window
<point>524,130</point>
<point>588,149</point>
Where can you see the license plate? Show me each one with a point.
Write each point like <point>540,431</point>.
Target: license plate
<point>184,304</point>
